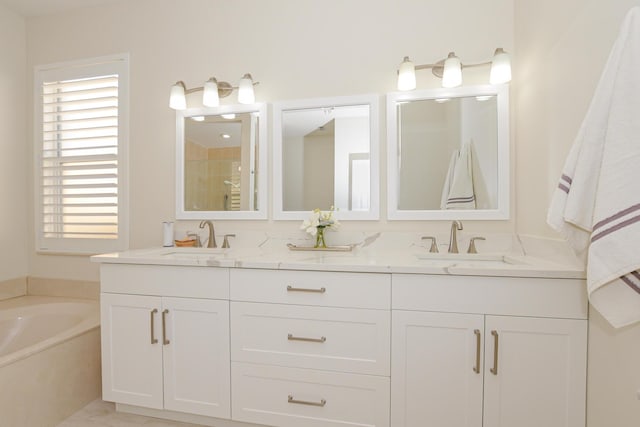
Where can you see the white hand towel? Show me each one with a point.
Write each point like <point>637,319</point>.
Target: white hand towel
<point>597,203</point>
<point>461,194</point>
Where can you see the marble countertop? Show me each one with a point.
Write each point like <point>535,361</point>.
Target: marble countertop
<point>394,254</point>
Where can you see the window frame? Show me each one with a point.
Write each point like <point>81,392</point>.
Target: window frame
<point>69,70</point>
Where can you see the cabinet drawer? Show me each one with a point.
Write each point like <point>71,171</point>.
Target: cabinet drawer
<point>336,339</point>
<point>509,296</point>
<point>189,282</point>
<point>291,397</point>
<point>321,288</point>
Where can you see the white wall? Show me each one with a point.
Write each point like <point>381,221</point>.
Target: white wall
<point>561,49</point>
<point>13,146</point>
<point>296,49</point>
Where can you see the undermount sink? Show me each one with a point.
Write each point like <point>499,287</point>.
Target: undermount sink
<point>471,260</point>
<point>196,255</point>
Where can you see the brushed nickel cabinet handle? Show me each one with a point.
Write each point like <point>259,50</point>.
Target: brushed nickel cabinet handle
<point>494,370</point>
<point>154,340</point>
<point>165,341</point>
<point>290,337</point>
<point>476,368</point>
<point>319,291</point>
<point>290,399</point>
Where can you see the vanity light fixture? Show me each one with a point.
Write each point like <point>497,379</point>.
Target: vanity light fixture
<point>450,70</point>
<point>212,91</point>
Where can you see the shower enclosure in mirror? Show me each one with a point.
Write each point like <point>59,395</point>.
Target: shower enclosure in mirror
<point>448,153</point>
<point>326,154</point>
<point>221,163</point>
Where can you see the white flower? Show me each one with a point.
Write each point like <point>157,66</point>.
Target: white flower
<point>318,219</point>
<point>311,225</point>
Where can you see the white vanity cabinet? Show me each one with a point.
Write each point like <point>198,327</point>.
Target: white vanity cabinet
<point>488,352</point>
<point>165,338</point>
<point>309,348</point>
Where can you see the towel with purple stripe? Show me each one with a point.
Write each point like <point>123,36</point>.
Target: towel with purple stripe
<point>596,204</point>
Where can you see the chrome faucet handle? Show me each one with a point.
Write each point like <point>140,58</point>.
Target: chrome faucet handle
<point>225,243</point>
<point>472,245</point>
<point>434,244</point>
<point>196,236</point>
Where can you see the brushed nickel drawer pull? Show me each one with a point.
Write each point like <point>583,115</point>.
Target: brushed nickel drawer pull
<point>290,337</point>
<point>476,368</point>
<point>322,402</point>
<point>154,340</point>
<point>319,291</point>
<point>494,370</point>
<point>165,341</point>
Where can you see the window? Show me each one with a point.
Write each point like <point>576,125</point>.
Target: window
<point>81,149</point>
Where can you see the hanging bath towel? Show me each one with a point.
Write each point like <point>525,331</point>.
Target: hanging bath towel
<point>596,205</point>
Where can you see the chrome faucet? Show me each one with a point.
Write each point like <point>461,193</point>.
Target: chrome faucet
<point>211,242</point>
<point>453,238</point>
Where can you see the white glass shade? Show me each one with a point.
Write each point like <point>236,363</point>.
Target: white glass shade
<point>452,74</point>
<point>245,90</point>
<point>407,75</point>
<point>500,68</point>
<point>210,96</point>
<point>177,99</point>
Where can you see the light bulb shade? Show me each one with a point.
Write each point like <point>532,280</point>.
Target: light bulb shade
<point>210,96</point>
<point>407,75</point>
<point>177,98</point>
<point>452,74</point>
<point>245,90</point>
<point>500,68</point>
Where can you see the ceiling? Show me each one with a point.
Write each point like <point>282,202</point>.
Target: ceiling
<point>29,8</point>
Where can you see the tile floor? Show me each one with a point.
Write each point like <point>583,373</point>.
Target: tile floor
<point>103,414</point>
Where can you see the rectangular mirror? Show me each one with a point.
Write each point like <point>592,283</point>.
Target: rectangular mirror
<point>448,153</point>
<point>221,162</point>
<point>326,154</point>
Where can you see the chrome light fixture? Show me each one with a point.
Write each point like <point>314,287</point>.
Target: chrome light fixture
<point>212,91</point>
<point>450,70</point>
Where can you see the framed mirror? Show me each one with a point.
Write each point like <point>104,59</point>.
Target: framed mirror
<point>326,154</point>
<point>448,154</point>
<point>221,161</point>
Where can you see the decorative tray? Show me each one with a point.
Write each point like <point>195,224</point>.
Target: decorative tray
<point>346,248</point>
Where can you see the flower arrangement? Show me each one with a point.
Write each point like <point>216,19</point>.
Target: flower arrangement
<point>318,222</point>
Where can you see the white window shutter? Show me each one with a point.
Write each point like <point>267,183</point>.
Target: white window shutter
<point>81,148</point>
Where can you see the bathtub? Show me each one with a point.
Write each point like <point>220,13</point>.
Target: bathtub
<point>49,359</point>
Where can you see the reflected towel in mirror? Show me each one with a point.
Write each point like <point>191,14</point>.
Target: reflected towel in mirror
<point>458,191</point>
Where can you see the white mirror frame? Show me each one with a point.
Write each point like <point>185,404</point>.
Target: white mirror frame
<point>374,152</point>
<point>502,210</point>
<point>262,175</point>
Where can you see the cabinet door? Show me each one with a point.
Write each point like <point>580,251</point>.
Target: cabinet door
<point>436,369</point>
<point>131,358</point>
<point>196,356</point>
<point>539,376</point>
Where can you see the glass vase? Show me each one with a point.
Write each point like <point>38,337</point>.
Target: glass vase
<point>320,243</point>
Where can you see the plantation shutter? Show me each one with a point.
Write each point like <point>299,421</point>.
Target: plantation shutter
<point>81,161</point>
